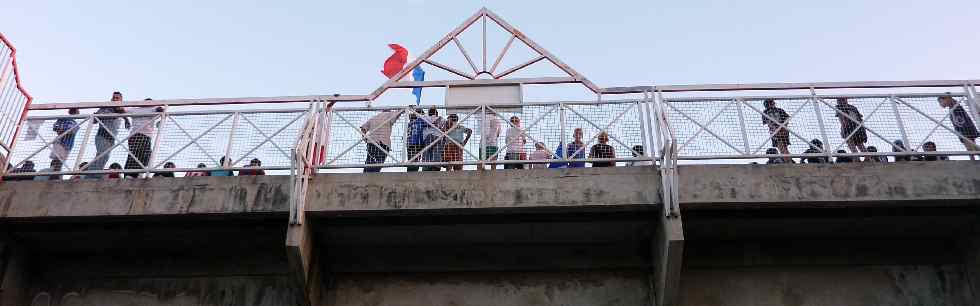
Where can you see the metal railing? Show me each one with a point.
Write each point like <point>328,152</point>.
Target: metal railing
<point>494,138</point>
<point>667,126</point>
<point>156,140</point>
<point>845,125</point>
<point>14,100</point>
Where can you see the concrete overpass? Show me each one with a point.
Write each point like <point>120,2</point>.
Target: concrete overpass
<point>842,234</point>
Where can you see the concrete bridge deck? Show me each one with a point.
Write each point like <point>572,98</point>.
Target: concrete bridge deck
<point>844,234</point>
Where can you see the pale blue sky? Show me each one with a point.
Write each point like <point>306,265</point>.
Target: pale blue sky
<point>84,50</point>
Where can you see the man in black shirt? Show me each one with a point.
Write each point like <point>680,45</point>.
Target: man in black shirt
<point>816,147</point>
<point>777,120</point>
<point>961,123</point>
<point>603,150</point>
<point>851,126</point>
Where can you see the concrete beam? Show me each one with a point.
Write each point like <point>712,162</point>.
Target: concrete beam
<point>828,185</point>
<point>668,253</point>
<point>304,264</point>
<point>598,187</point>
<point>157,196</point>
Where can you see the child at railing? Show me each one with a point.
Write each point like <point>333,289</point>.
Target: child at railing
<point>114,175</point>
<point>540,153</point>
<point>638,153</point>
<point>460,134</point>
<point>198,173</point>
<point>602,150</point>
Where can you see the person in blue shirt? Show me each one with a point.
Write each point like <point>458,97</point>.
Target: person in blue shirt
<point>573,150</point>
<point>65,128</point>
<point>224,160</point>
<point>416,137</point>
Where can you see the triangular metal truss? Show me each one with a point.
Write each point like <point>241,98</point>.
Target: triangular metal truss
<point>498,78</point>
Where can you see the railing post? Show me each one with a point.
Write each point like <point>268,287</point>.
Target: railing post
<point>561,127</point>
<point>88,135</point>
<point>901,124</point>
<point>483,140</point>
<point>156,141</point>
<point>231,139</point>
<point>644,129</point>
<point>820,123</point>
<point>741,122</point>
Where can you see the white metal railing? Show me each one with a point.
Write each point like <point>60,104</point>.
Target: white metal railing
<point>154,140</point>
<point>428,143</point>
<point>898,124</point>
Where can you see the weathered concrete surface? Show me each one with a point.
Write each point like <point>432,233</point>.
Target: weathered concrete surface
<point>194,291</point>
<point>668,257</point>
<point>972,258</point>
<point>530,288</point>
<point>918,285</point>
<point>157,196</point>
<point>486,189</point>
<point>825,184</point>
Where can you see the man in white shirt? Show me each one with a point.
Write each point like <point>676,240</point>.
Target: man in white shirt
<point>515,143</point>
<point>141,135</point>
<point>489,132</point>
<point>377,131</point>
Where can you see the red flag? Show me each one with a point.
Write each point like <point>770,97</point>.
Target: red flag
<point>396,62</point>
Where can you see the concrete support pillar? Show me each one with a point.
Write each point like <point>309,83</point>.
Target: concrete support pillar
<point>302,253</point>
<point>668,251</point>
<point>15,277</point>
<point>972,261</point>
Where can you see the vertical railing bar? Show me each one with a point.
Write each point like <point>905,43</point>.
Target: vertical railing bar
<point>156,141</point>
<point>901,124</point>
<point>561,126</point>
<point>643,125</point>
<point>742,126</point>
<point>231,140</point>
<point>88,134</point>
<point>820,124</point>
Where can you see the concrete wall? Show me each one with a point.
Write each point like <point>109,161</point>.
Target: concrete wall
<point>826,184</point>
<point>133,197</point>
<point>485,189</point>
<point>193,291</point>
<point>464,289</point>
<point>920,285</point>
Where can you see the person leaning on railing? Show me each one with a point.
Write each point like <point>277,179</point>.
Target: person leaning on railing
<point>105,138</point>
<point>377,132</point>
<point>458,134</point>
<point>433,139</point>
<point>168,165</point>
<point>572,150</point>
<point>816,147</point>
<point>253,166</point>
<point>602,150</point>
<point>140,137</point>
<point>961,123</point>
<point>540,153</point>
<point>415,138</point>
<point>65,128</point>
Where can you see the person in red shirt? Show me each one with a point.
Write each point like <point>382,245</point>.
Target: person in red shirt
<point>255,163</point>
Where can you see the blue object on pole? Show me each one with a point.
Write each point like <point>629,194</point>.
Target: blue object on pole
<point>418,75</point>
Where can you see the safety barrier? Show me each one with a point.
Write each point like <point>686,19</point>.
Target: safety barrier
<point>14,100</point>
